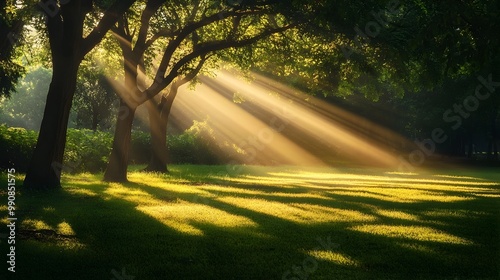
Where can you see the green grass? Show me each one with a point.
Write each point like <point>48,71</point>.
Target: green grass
<point>261,223</point>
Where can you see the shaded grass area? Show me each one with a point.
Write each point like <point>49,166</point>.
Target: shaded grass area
<point>201,222</point>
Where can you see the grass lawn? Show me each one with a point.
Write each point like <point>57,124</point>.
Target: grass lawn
<point>262,223</point>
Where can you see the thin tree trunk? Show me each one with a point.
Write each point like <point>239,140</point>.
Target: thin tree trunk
<point>118,160</point>
<point>158,120</point>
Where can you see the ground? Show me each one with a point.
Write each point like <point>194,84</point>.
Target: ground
<point>218,222</point>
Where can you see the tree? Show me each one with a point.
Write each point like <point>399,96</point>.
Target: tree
<point>25,107</point>
<point>65,22</point>
<point>11,27</point>
<point>94,98</point>
<point>196,31</point>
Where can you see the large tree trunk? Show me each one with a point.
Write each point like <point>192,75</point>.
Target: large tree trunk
<point>65,33</point>
<point>118,160</point>
<point>45,168</point>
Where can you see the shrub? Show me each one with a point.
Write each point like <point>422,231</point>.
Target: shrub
<point>140,150</point>
<point>195,146</point>
<point>87,150</point>
<point>16,147</point>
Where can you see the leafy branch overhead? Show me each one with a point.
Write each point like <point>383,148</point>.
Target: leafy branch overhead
<point>198,29</point>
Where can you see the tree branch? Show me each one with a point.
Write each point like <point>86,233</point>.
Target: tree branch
<point>109,19</point>
<point>204,49</point>
<point>183,33</point>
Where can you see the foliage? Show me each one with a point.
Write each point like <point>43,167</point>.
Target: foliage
<point>10,34</point>
<point>16,147</point>
<point>194,146</point>
<point>140,150</point>
<point>86,150</point>
<point>25,108</point>
<point>95,101</point>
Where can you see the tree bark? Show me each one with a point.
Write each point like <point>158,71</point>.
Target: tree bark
<point>44,171</point>
<point>65,32</point>
<point>158,120</point>
<point>158,130</point>
<point>118,160</point>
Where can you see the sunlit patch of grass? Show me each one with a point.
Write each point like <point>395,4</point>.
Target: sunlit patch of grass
<point>297,212</point>
<point>65,229</point>
<point>185,217</point>
<point>394,214</point>
<point>401,195</point>
<point>401,173</point>
<point>453,213</point>
<point>131,194</point>
<point>49,209</point>
<point>81,192</point>
<point>458,177</point>
<point>33,224</point>
<point>419,233</point>
<point>334,257</point>
<point>360,179</point>
<point>417,247</point>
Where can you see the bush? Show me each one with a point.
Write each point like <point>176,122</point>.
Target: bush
<point>140,150</point>
<point>195,146</point>
<point>87,150</point>
<point>16,147</point>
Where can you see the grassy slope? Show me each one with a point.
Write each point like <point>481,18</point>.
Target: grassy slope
<point>198,223</point>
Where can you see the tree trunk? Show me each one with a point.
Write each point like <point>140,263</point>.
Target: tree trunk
<point>44,171</point>
<point>158,132</point>
<point>118,160</point>
<point>158,120</point>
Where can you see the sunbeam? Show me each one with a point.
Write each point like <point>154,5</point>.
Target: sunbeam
<point>264,122</point>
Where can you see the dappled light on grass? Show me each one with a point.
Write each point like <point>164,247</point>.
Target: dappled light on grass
<point>185,217</point>
<point>179,214</point>
<point>198,221</point>
<point>417,233</point>
<point>309,196</point>
<point>399,195</point>
<point>334,257</point>
<point>61,235</point>
<point>62,228</point>
<point>299,213</point>
<point>35,224</point>
<point>397,215</point>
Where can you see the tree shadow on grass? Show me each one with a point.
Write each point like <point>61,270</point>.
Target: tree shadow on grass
<point>112,231</point>
<point>437,259</point>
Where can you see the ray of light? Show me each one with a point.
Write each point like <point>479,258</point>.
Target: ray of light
<point>269,123</point>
